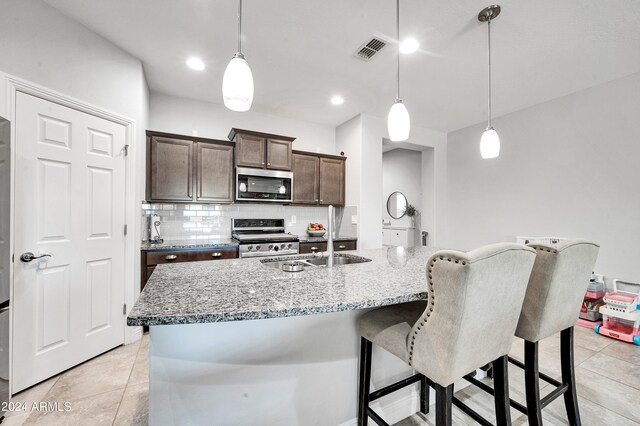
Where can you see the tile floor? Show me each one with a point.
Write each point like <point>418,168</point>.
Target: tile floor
<point>607,377</point>
<point>112,388</point>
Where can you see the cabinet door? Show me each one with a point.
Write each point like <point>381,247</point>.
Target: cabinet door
<point>306,177</point>
<point>214,172</point>
<point>278,154</point>
<point>170,170</point>
<point>331,181</point>
<point>250,151</point>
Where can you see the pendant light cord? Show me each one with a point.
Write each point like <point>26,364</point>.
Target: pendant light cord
<point>489,85</point>
<point>398,36</point>
<point>240,26</point>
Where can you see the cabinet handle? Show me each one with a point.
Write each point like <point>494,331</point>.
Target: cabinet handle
<point>342,247</point>
<point>314,248</point>
<point>268,164</point>
<point>263,163</point>
<point>216,254</point>
<point>320,200</point>
<point>171,257</point>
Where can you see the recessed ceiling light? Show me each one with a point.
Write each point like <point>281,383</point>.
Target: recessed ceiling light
<point>195,63</point>
<point>337,100</point>
<point>409,45</point>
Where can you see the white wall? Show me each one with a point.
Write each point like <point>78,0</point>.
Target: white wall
<point>361,140</point>
<point>568,168</point>
<point>401,171</point>
<point>40,45</point>
<point>186,116</point>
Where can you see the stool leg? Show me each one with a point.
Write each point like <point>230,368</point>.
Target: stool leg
<point>532,383</point>
<point>569,376</point>
<point>444,401</point>
<point>501,386</point>
<point>364,381</point>
<point>424,395</point>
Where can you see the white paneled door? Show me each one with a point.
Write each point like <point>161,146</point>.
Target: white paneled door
<point>69,204</point>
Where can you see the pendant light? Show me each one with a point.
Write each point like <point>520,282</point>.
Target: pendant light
<point>490,141</point>
<point>398,121</point>
<point>237,83</point>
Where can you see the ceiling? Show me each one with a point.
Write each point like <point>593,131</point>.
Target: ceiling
<point>301,52</point>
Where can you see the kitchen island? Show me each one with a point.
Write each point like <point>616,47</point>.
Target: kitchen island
<point>235,342</point>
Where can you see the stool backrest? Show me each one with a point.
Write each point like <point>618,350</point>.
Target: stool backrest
<point>556,288</point>
<point>472,311</point>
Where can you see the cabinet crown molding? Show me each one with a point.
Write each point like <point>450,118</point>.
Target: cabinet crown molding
<point>234,131</point>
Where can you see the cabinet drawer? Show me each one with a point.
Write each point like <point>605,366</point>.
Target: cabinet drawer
<point>157,257</point>
<point>344,245</point>
<point>311,247</point>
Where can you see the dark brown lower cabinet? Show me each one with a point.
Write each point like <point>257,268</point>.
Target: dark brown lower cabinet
<point>308,247</point>
<point>151,259</point>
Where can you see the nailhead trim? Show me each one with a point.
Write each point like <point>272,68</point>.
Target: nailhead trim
<point>548,250</point>
<point>431,300</point>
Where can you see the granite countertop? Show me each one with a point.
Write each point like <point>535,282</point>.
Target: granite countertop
<point>189,244</point>
<point>245,289</point>
<point>308,239</point>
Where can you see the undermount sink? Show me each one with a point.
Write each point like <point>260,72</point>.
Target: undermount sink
<point>314,262</point>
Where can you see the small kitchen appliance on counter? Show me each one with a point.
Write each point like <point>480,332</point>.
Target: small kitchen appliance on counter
<point>154,230</point>
<point>621,314</point>
<point>263,237</point>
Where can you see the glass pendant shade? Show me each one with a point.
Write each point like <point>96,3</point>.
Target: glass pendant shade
<point>398,122</point>
<point>237,84</point>
<point>490,144</point>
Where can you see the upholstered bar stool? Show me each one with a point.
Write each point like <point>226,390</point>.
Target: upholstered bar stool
<point>468,320</point>
<point>552,303</point>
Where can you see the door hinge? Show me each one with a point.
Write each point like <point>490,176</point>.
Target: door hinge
<point>124,309</point>
<point>125,230</point>
<point>126,150</point>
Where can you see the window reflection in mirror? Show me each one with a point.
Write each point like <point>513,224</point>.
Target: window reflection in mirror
<point>396,205</point>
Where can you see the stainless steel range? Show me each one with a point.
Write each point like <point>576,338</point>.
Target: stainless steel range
<point>263,237</point>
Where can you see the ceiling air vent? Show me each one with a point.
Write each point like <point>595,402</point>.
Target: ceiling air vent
<point>370,47</point>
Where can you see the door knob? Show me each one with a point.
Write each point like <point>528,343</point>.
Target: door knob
<point>28,256</point>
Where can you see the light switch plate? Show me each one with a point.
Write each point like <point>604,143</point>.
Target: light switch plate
<point>293,220</point>
<point>354,219</point>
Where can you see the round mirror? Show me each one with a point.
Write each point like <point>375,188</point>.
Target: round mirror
<point>396,205</point>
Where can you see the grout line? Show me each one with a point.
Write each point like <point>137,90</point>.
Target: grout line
<point>597,403</point>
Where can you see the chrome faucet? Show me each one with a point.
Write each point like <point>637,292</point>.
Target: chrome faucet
<point>329,253</point>
<point>330,239</point>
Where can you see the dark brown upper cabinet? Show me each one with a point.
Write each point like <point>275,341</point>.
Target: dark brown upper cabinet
<point>169,169</point>
<point>262,150</point>
<point>331,181</point>
<point>318,179</point>
<point>306,178</point>
<point>214,172</point>
<point>189,169</point>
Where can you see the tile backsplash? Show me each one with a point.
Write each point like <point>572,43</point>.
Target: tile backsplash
<point>205,221</point>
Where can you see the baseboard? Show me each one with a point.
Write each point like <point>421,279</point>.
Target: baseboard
<point>133,334</point>
<point>393,411</point>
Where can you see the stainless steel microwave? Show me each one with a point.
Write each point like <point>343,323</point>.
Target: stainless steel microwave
<point>263,185</point>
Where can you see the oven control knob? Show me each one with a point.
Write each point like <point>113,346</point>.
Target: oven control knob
<point>282,246</point>
<point>257,247</point>
<point>270,246</point>
<point>289,245</point>
<point>275,248</point>
<point>250,248</point>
